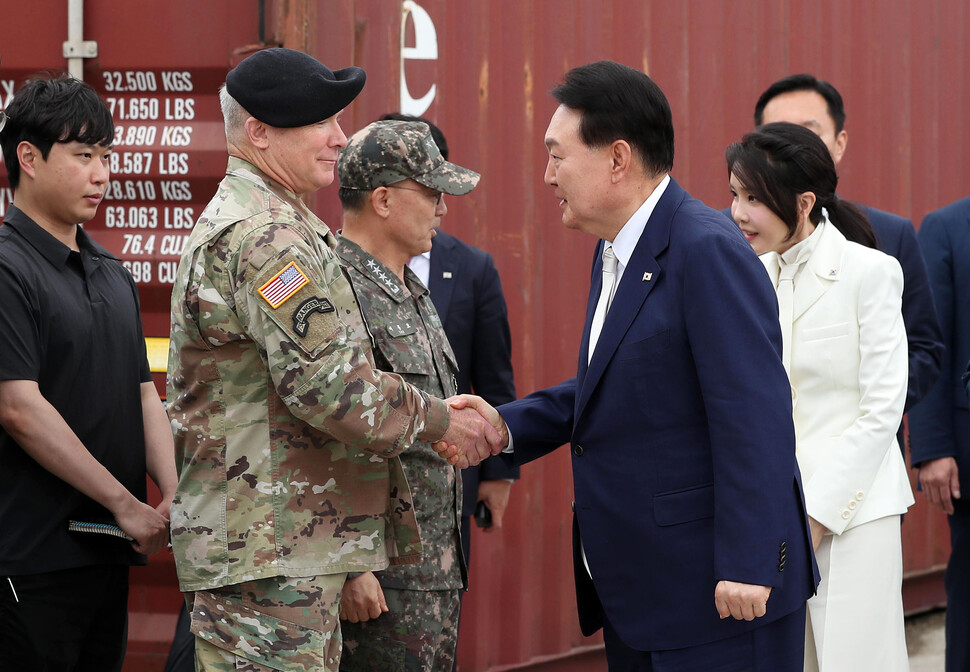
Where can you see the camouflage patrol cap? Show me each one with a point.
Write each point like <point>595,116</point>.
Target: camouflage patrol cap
<point>386,152</point>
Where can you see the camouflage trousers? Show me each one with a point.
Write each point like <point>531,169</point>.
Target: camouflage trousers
<point>419,633</point>
<point>281,623</point>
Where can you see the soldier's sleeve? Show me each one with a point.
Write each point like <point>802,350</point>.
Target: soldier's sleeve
<point>299,307</point>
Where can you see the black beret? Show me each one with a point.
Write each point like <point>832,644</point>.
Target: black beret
<point>287,88</point>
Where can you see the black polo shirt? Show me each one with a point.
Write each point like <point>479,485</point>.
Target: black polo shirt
<point>70,322</point>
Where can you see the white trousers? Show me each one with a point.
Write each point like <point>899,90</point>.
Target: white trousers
<point>855,622</point>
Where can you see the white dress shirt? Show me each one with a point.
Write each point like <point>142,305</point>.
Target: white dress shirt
<point>626,240</point>
<point>421,265</point>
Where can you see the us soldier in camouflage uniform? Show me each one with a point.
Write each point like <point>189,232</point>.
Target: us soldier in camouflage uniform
<point>286,435</point>
<point>391,181</point>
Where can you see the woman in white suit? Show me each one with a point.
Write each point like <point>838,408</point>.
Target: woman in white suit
<point>845,352</point>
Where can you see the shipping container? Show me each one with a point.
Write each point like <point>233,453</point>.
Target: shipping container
<point>482,69</point>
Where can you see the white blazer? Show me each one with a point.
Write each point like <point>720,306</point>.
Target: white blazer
<point>849,372</point>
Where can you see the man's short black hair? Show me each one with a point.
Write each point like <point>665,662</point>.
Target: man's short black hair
<point>354,199</point>
<point>620,103</point>
<point>803,82</point>
<point>53,109</point>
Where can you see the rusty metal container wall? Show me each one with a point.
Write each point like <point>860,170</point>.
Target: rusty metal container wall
<point>900,65</point>
<point>496,62</point>
<point>895,64</point>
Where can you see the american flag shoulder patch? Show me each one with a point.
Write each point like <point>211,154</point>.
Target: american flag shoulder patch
<point>283,285</point>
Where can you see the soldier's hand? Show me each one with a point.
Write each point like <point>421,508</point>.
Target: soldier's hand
<point>488,412</point>
<point>362,599</point>
<point>148,526</point>
<point>469,439</point>
<point>940,479</point>
<point>741,600</point>
<point>448,452</point>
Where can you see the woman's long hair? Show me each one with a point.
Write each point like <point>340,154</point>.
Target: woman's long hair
<point>779,161</point>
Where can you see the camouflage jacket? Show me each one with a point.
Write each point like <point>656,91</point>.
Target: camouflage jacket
<point>285,434</point>
<point>408,339</point>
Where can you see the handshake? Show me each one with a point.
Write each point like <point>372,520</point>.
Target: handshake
<point>475,431</point>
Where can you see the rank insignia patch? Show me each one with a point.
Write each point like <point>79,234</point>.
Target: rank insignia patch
<point>283,285</point>
<point>314,305</point>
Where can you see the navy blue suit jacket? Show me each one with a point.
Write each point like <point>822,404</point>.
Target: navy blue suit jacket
<point>682,442</point>
<point>944,237</point>
<point>467,293</point>
<point>896,237</point>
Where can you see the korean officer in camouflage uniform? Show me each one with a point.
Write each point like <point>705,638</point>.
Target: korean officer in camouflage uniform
<point>286,436</point>
<point>392,180</point>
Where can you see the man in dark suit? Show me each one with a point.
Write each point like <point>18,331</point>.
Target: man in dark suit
<point>939,427</point>
<point>803,99</point>
<point>467,293</point>
<point>680,401</point>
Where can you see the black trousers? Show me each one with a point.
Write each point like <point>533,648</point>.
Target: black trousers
<point>74,620</point>
<point>957,583</point>
<point>778,646</point>
<point>957,578</point>
<point>181,657</point>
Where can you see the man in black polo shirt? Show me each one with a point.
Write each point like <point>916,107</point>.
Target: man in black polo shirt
<point>80,420</point>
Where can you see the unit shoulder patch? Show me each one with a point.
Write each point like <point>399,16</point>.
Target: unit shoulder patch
<point>288,290</point>
<point>314,304</point>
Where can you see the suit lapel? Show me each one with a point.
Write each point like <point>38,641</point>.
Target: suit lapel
<point>442,273</point>
<point>825,266</point>
<point>595,286</point>
<point>639,278</point>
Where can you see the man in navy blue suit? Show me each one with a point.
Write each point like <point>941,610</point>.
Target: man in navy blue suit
<point>691,543</point>
<point>939,427</point>
<point>816,104</point>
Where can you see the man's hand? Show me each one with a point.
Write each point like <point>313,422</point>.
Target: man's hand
<point>818,531</point>
<point>940,479</point>
<point>741,600</point>
<point>362,599</point>
<point>165,508</point>
<point>485,410</point>
<point>147,525</point>
<point>476,430</point>
<point>495,494</point>
<point>41,431</point>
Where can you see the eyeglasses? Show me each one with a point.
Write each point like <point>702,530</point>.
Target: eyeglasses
<point>436,195</point>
